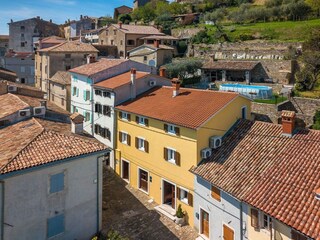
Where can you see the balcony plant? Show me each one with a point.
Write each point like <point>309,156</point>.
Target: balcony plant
<point>180,216</point>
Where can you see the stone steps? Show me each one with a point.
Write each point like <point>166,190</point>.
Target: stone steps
<point>159,209</point>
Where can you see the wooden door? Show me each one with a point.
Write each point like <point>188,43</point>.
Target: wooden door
<point>228,233</point>
<point>205,223</point>
<point>173,201</point>
<point>125,170</point>
<point>144,180</point>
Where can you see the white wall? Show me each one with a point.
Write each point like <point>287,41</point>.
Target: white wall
<point>28,203</point>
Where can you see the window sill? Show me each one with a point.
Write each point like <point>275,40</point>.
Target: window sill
<point>172,161</point>
<point>185,201</point>
<point>142,149</point>
<point>143,191</point>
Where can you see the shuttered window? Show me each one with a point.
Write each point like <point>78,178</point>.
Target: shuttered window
<point>142,144</point>
<point>55,225</point>
<point>125,116</point>
<point>215,193</point>
<point>172,156</point>
<point>171,129</point>
<point>57,182</point>
<point>254,218</point>
<point>125,138</point>
<point>107,111</point>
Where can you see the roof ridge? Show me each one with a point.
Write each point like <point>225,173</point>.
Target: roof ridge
<point>16,96</point>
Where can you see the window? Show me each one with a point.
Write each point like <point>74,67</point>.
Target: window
<point>87,116</point>
<point>98,92</point>
<point>145,58</point>
<point>297,236</point>
<point>143,180</point>
<point>267,222</point>
<point>111,42</point>
<point>22,69</point>
<point>86,95</point>
<point>254,218</point>
<point>121,42</point>
<point>183,195</point>
<point>22,35</point>
<point>171,129</point>
<point>98,108</point>
<point>121,54</point>
<point>114,32</point>
<point>56,182</point>
<point>22,28</point>
<point>130,42</point>
<point>124,138</point>
<point>62,101</point>
<point>55,225</point>
<point>215,193</point>
<point>142,144</point>
<point>23,80</point>
<point>97,128</point>
<point>172,156</point>
<point>103,132</point>
<point>107,94</point>
<point>68,55</point>
<point>107,111</point>
<point>142,121</point>
<point>22,44</point>
<point>244,112</point>
<point>75,91</point>
<point>73,108</point>
<point>124,116</point>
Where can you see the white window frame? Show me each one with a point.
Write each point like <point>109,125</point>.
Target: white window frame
<point>87,119</point>
<point>141,121</point>
<point>262,221</point>
<point>171,129</point>
<point>171,158</point>
<point>185,199</point>
<point>124,138</point>
<point>141,142</point>
<point>124,116</point>
<point>88,95</point>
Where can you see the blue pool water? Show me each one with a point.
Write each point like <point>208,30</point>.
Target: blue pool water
<point>261,92</point>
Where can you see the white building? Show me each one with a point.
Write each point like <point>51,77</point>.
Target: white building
<point>48,189</point>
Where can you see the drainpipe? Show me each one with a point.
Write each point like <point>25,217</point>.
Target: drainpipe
<point>241,222</point>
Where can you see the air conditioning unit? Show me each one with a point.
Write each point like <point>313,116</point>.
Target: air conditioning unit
<point>38,111</point>
<point>152,83</point>
<point>24,113</point>
<point>205,153</point>
<point>12,88</point>
<point>215,142</point>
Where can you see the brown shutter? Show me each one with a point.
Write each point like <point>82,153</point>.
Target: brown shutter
<point>128,139</point>
<point>146,146</point>
<point>137,143</point>
<point>165,153</point>
<point>129,117</point>
<point>120,136</point>
<point>120,114</point>
<point>177,130</point>
<point>190,199</point>
<point>165,126</point>
<point>177,158</point>
<point>215,193</point>
<point>137,119</point>
<point>254,218</point>
<point>178,193</point>
<point>146,122</point>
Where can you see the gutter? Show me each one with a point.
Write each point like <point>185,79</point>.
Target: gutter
<point>241,222</point>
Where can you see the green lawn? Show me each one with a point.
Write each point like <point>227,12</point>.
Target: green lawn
<point>273,100</point>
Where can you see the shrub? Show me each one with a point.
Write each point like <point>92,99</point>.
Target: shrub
<point>179,212</point>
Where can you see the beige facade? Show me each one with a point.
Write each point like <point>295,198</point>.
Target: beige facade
<point>60,90</point>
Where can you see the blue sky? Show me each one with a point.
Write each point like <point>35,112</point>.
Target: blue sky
<point>57,10</point>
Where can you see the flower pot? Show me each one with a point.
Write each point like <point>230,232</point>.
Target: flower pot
<point>180,221</point>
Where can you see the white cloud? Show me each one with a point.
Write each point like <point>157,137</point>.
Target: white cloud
<point>62,2</point>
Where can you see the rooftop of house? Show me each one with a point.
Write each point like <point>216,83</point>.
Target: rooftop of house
<point>12,54</point>
<point>10,104</point>
<point>4,37</point>
<point>96,67</point>
<point>272,172</point>
<point>138,29</point>
<point>6,74</point>
<point>120,80</point>
<point>230,65</point>
<point>144,49</point>
<point>71,46</point>
<point>123,9</point>
<point>36,19</point>
<point>61,77</point>
<point>52,40</point>
<point>191,108</point>
<point>36,142</point>
<point>160,37</point>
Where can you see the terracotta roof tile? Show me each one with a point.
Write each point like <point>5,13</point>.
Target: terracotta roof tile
<point>272,172</point>
<point>124,9</point>
<point>71,46</point>
<point>138,29</point>
<point>61,77</point>
<point>191,108</point>
<point>19,55</point>
<point>119,80</point>
<point>10,104</point>
<point>77,118</point>
<point>28,144</point>
<point>160,37</point>
<point>101,65</point>
<point>231,65</point>
<point>53,39</point>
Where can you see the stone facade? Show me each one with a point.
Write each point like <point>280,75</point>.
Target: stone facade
<point>23,34</point>
<point>4,45</point>
<point>73,28</point>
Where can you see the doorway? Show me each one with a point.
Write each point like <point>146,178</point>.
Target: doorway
<point>143,180</point>
<point>228,233</point>
<point>169,194</point>
<point>204,218</point>
<point>125,170</point>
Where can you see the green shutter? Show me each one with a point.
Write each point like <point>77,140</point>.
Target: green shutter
<point>77,91</point>
<point>72,92</point>
<point>85,95</point>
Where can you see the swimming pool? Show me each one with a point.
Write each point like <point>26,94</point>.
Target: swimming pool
<point>252,91</point>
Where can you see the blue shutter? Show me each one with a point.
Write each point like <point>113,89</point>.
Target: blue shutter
<point>56,182</point>
<point>55,225</point>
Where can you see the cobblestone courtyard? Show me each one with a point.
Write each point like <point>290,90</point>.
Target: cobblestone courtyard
<point>128,211</point>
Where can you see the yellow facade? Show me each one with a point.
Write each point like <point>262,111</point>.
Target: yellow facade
<point>189,144</point>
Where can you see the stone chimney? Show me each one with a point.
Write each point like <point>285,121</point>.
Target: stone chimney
<point>288,123</point>
<point>162,72</point>
<point>43,103</point>
<point>156,43</point>
<point>91,59</point>
<point>3,87</point>
<point>120,25</point>
<point>76,123</point>
<point>176,86</point>
<point>133,83</point>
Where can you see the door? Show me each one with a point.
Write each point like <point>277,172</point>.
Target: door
<point>143,181</point>
<point>205,223</point>
<point>125,170</point>
<point>169,194</point>
<point>173,196</point>
<point>228,233</point>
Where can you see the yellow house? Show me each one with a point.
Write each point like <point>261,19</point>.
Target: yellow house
<point>167,130</point>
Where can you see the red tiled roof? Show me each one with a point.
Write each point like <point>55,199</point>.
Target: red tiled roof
<point>191,108</point>
<point>93,68</point>
<point>19,55</point>
<point>28,144</point>
<point>122,79</point>
<point>71,46</point>
<point>124,9</point>
<point>10,104</point>
<point>53,39</point>
<point>231,65</point>
<point>138,29</point>
<point>272,172</point>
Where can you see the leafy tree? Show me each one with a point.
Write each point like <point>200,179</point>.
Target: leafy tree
<point>145,13</point>
<point>183,68</point>
<point>166,21</point>
<point>316,120</point>
<point>315,5</point>
<point>125,18</point>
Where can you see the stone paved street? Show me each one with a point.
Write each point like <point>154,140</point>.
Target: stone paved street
<point>128,211</point>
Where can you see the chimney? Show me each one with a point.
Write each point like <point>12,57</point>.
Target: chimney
<point>156,43</point>
<point>38,17</point>
<point>133,83</point>
<point>288,119</point>
<point>176,86</point>
<point>162,72</point>
<point>91,59</point>
<point>120,25</point>
<point>43,103</point>
<point>81,17</point>
<point>3,87</point>
<point>76,123</point>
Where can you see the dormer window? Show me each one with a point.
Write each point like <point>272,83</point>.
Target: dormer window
<point>124,116</point>
<point>142,121</point>
<point>171,129</point>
